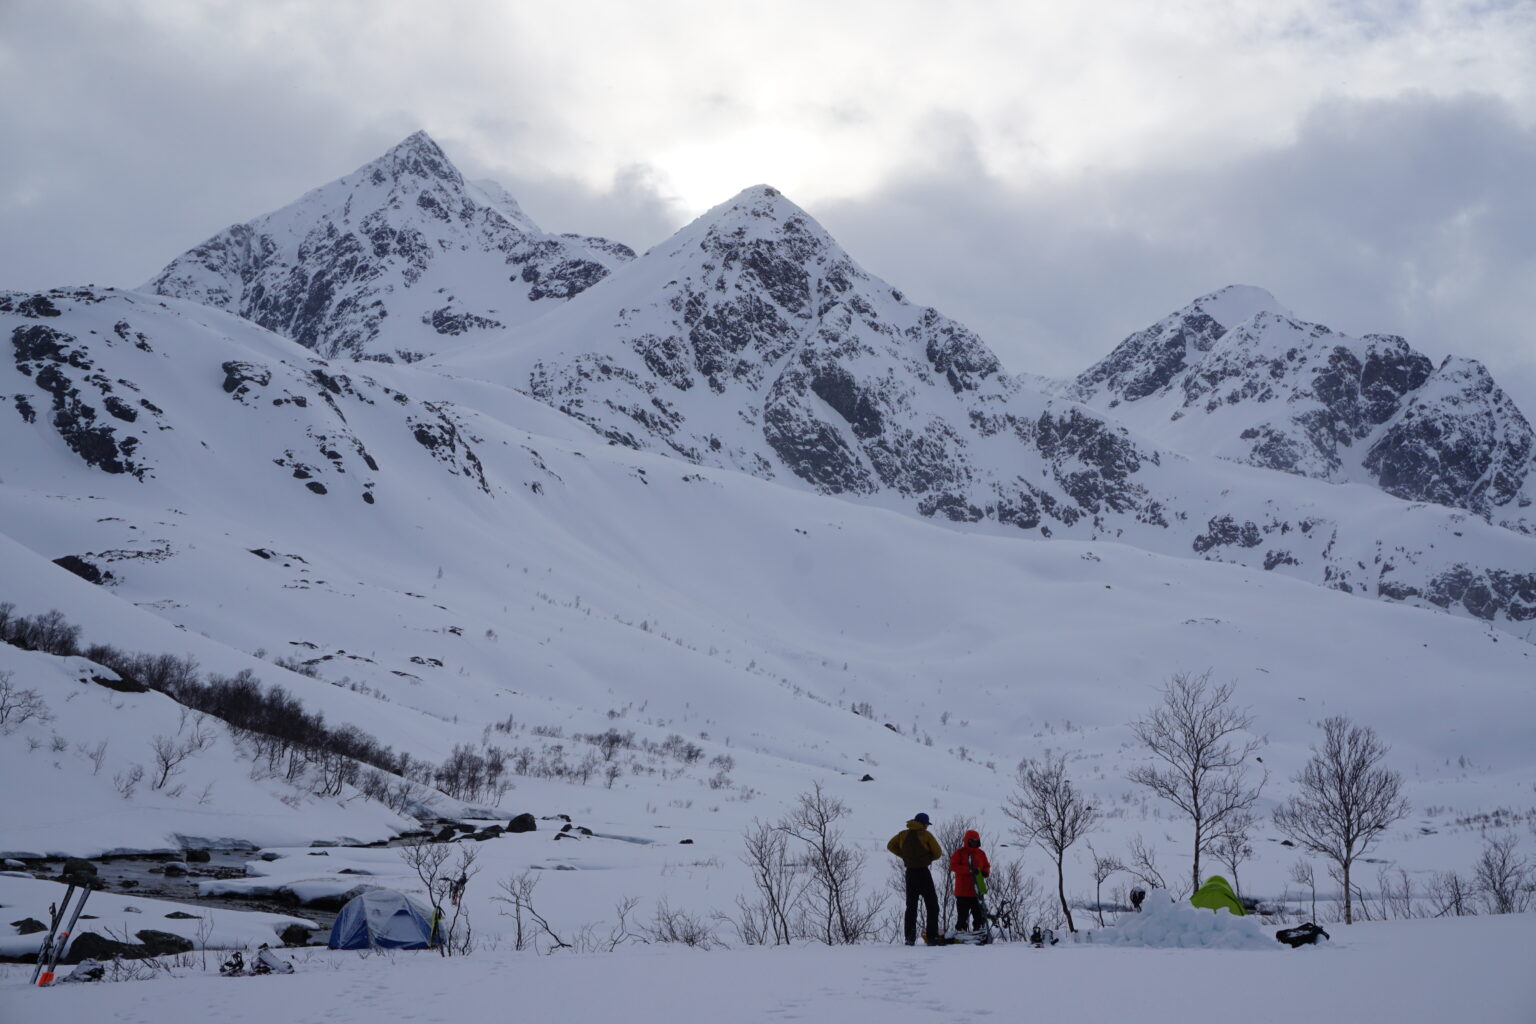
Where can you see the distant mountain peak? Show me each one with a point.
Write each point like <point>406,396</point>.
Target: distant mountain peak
<point>1231,305</point>
<point>1149,361</point>
<point>757,214</point>
<point>392,261</point>
<point>416,156</point>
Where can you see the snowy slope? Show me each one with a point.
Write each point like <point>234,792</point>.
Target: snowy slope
<point>399,259</point>
<point>94,741</point>
<point>513,569</point>
<point>752,341</point>
<point>1407,972</point>
<point>1234,376</point>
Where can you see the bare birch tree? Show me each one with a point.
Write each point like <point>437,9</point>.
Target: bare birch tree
<point>1347,799</point>
<point>1199,760</point>
<point>1104,865</point>
<point>1049,811</point>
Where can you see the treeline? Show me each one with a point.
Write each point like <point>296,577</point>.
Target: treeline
<point>280,733</point>
<point>299,745</point>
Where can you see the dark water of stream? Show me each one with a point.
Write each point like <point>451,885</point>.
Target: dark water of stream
<point>145,875</point>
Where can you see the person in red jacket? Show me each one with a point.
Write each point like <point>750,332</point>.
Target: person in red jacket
<point>968,863</point>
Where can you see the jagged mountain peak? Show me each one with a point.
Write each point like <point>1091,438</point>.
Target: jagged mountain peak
<point>1278,392</point>
<point>1149,361</point>
<point>396,261</point>
<point>416,156</point>
<point>1231,305</point>
<point>755,216</point>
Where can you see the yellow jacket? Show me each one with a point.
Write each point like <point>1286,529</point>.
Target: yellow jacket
<point>915,845</point>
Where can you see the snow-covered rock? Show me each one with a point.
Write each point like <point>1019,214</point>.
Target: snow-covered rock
<point>400,259</point>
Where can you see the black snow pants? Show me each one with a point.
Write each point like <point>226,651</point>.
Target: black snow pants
<point>920,886</point>
<point>968,908</point>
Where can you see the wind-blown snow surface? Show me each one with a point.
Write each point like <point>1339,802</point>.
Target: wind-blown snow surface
<point>399,259</point>
<point>1473,969</point>
<point>508,567</point>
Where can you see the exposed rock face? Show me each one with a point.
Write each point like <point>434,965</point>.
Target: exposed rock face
<point>393,262</point>
<point>1279,393</point>
<point>83,402</point>
<point>1460,441</point>
<point>752,341</point>
<point>1150,360</point>
<point>109,390</point>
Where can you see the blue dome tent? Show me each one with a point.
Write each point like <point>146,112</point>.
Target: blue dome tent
<point>381,919</point>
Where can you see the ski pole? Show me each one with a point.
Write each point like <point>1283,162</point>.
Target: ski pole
<point>59,947</point>
<point>56,913</point>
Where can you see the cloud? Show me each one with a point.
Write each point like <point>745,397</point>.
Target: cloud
<point>1054,174</point>
<point>1411,215</point>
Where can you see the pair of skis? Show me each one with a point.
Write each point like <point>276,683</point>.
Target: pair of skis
<point>53,947</point>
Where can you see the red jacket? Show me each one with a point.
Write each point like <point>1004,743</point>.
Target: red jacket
<point>963,860</point>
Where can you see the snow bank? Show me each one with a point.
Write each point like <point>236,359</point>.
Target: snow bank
<point>1165,923</point>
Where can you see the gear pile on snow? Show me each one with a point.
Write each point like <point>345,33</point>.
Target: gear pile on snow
<point>264,962</point>
<point>1301,935</point>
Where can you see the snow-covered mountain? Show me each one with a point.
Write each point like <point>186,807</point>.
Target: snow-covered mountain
<point>752,341</point>
<point>1233,375</point>
<point>401,258</point>
<point>461,565</point>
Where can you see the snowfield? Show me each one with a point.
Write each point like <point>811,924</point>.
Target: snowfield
<point>1466,969</point>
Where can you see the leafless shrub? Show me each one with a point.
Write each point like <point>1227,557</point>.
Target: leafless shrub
<point>171,752</point>
<point>1347,799</point>
<point>951,836</point>
<point>1302,873</point>
<point>18,705</point>
<point>528,923</point>
<point>1234,847</point>
<point>780,886</point>
<point>127,781</point>
<point>1143,864</point>
<point>97,755</point>
<point>837,914</point>
<point>1104,865</point>
<point>1504,879</point>
<point>1394,892</point>
<point>1051,812</point>
<point>672,925</point>
<point>1198,761</point>
<point>1451,895</point>
<point>445,886</point>
<point>1014,900</point>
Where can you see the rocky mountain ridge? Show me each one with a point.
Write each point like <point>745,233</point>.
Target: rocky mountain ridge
<point>1263,387</point>
<point>400,259</point>
<point>752,341</point>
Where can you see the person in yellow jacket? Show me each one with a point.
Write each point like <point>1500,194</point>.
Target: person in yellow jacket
<point>917,848</point>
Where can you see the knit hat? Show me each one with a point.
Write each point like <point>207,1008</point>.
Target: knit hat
<point>920,816</point>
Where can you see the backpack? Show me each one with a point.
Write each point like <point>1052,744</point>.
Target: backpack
<point>1301,935</point>
<point>914,851</point>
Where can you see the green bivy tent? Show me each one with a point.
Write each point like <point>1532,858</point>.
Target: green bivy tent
<point>1215,894</point>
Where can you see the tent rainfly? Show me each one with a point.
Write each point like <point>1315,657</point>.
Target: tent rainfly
<point>1215,894</point>
<point>381,919</point>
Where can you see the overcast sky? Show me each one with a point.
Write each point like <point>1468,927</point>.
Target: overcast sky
<point>1053,174</point>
